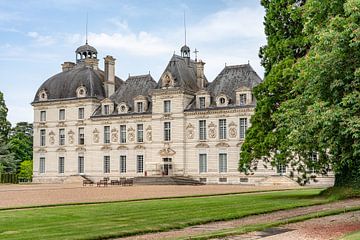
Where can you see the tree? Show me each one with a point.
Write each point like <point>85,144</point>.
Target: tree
<point>285,44</point>
<point>4,123</point>
<point>7,161</point>
<point>21,141</point>
<point>26,169</point>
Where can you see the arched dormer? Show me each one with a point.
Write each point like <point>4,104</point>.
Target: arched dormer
<point>222,100</point>
<point>140,104</point>
<point>81,91</point>
<point>122,108</point>
<point>43,95</point>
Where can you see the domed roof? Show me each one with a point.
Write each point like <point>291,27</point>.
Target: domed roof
<point>64,85</point>
<point>86,48</point>
<point>185,48</point>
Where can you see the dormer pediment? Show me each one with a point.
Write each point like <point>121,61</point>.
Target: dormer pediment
<point>202,92</point>
<point>139,98</point>
<point>243,89</point>
<point>106,100</point>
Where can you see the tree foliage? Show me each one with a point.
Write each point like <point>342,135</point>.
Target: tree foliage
<point>26,169</point>
<point>4,123</point>
<point>21,141</point>
<point>323,113</point>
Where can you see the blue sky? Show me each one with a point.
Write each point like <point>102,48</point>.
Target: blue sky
<point>38,35</point>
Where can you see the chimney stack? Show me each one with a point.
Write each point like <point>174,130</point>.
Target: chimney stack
<point>200,79</point>
<point>109,63</point>
<point>66,66</point>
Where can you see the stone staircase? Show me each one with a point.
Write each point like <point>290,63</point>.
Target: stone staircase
<point>166,180</point>
<point>76,179</point>
<point>278,181</point>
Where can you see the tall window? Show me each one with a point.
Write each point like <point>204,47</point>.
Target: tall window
<point>202,129</point>
<point>202,163</point>
<point>61,136</point>
<point>106,164</point>
<point>81,136</point>
<point>139,163</point>
<point>167,131</point>
<point>81,164</point>
<point>81,113</point>
<point>122,133</point>
<point>106,134</point>
<point>243,127</point>
<point>222,128</point>
<point>222,162</point>
<point>42,137</point>
<point>281,169</point>
<point>140,106</point>
<point>42,165</point>
<point>242,99</point>
<point>42,116</point>
<point>201,102</point>
<point>106,109</point>
<point>61,164</point>
<point>122,164</point>
<point>140,133</point>
<point>167,106</point>
<point>61,114</point>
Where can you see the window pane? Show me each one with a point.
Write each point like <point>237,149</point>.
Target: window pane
<point>42,137</point>
<point>242,99</point>
<point>140,164</point>
<point>202,102</point>
<point>140,133</point>
<point>107,134</point>
<point>202,163</point>
<point>106,164</point>
<point>122,133</point>
<point>43,116</point>
<point>140,107</point>
<point>167,106</point>
<point>42,165</point>
<point>167,131</point>
<point>243,127</point>
<point>202,129</point>
<point>81,113</point>
<point>61,164</point>
<point>81,136</point>
<point>81,164</point>
<point>61,136</point>
<point>222,162</point>
<point>62,114</point>
<point>122,164</point>
<point>106,109</point>
<point>222,128</point>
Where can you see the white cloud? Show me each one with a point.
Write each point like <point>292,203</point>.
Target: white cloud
<point>41,39</point>
<point>142,43</point>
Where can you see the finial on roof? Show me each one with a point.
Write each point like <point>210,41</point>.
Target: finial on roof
<point>185,50</point>
<point>249,62</point>
<point>185,26</point>
<point>86,27</point>
<point>225,64</point>
<point>196,52</point>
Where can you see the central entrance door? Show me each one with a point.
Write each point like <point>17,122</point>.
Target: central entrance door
<point>167,166</point>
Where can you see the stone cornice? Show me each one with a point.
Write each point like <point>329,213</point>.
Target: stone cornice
<point>249,111</point>
<point>65,101</point>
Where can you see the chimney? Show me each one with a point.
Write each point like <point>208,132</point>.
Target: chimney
<point>66,66</point>
<point>200,74</point>
<point>109,63</point>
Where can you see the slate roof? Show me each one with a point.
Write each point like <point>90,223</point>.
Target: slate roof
<point>231,78</point>
<point>183,72</point>
<point>133,87</point>
<point>63,85</point>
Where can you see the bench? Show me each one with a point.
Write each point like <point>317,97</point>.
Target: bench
<point>114,182</point>
<point>102,182</point>
<point>128,182</point>
<point>87,182</point>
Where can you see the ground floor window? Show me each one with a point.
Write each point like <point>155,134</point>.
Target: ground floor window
<point>281,169</point>
<point>139,163</point>
<point>106,164</point>
<point>122,164</point>
<point>81,164</point>
<point>222,162</point>
<point>61,164</point>
<point>202,163</point>
<point>42,165</point>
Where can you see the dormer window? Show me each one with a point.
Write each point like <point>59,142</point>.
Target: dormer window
<point>42,95</point>
<point>201,102</point>
<point>106,109</point>
<point>81,91</point>
<point>140,107</point>
<point>222,100</point>
<point>122,108</point>
<point>242,99</point>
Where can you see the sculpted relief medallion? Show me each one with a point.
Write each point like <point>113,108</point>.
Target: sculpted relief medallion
<point>212,130</point>
<point>131,134</point>
<point>114,135</point>
<point>190,131</point>
<point>232,130</point>
<point>96,135</point>
<point>52,137</point>
<point>149,133</point>
<point>71,136</point>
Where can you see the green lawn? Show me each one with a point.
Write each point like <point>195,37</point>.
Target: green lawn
<point>97,221</point>
<point>352,236</point>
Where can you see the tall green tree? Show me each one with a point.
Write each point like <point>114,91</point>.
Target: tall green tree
<point>285,44</point>
<point>7,160</point>
<point>21,141</point>
<point>4,123</point>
